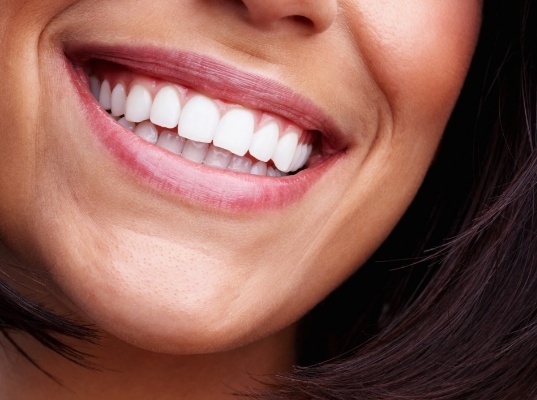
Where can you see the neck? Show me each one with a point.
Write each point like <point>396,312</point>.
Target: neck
<point>127,372</point>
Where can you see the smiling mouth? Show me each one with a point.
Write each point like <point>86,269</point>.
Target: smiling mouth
<point>202,129</point>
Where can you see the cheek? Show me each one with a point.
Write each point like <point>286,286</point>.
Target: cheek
<point>419,50</point>
<point>21,22</point>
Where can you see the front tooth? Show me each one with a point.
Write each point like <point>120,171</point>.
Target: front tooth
<point>166,107</point>
<point>264,142</point>
<point>240,164</point>
<point>285,150</point>
<point>95,87</point>
<point>118,99</point>
<point>195,151</point>
<point>259,168</point>
<point>199,119</point>
<point>235,131</point>
<point>217,157</point>
<point>105,94</point>
<point>138,106</point>
<point>171,141</point>
<point>147,131</point>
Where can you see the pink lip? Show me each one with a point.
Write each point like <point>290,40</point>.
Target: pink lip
<point>170,173</point>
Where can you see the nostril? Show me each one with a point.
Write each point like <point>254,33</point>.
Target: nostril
<point>300,19</point>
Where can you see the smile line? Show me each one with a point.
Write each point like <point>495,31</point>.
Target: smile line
<point>194,183</point>
<point>199,128</point>
<point>218,81</point>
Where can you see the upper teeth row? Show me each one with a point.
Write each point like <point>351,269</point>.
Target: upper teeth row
<point>199,118</point>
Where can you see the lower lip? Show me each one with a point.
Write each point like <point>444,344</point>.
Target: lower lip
<point>194,183</point>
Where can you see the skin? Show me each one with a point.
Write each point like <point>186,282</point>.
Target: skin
<point>189,300</point>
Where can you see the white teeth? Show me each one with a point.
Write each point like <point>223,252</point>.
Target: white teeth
<point>126,124</point>
<point>199,123</point>
<point>118,100</point>
<point>300,157</point>
<point>296,157</point>
<point>95,87</point>
<point>147,131</point>
<point>235,131</point>
<point>240,164</point>
<point>104,95</point>
<point>285,150</point>
<point>217,157</point>
<point>273,172</point>
<point>264,142</point>
<point>305,156</point>
<point>166,107</point>
<point>259,168</point>
<point>171,141</point>
<point>195,151</point>
<point>138,106</point>
<point>199,119</point>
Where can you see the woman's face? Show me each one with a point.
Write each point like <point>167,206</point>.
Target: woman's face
<point>167,251</point>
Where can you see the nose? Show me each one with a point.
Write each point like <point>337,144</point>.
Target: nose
<point>317,15</point>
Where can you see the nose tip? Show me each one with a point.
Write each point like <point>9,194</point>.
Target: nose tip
<point>317,15</point>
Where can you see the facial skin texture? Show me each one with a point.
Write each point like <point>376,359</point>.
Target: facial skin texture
<point>162,273</point>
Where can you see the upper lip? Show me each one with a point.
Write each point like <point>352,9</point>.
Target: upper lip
<point>220,81</point>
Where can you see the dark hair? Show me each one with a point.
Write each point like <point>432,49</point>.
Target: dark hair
<point>447,307</point>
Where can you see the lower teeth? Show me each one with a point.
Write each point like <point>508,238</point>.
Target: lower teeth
<point>200,153</point>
